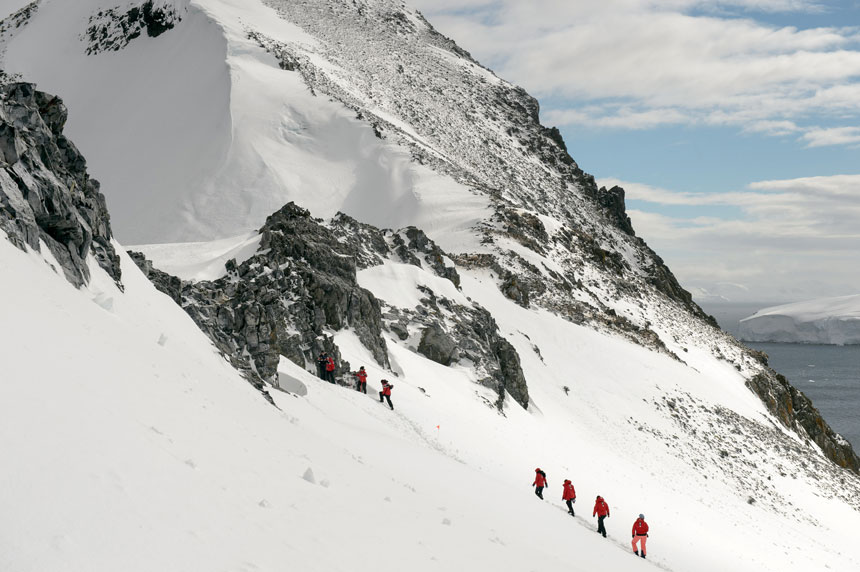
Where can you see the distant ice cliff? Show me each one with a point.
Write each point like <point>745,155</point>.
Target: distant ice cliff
<point>821,321</point>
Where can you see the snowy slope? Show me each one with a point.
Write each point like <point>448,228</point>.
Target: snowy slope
<point>135,447</point>
<point>203,131</point>
<point>197,133</point>
<point>200,133</point>
<point>821,321</point>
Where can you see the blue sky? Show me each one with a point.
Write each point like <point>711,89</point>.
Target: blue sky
<point>734,125</point>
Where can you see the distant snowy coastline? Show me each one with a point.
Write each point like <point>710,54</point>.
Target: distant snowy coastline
<point>821,321</point>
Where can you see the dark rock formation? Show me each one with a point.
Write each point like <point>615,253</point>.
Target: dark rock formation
<point>45,192</point>
<point>114,29</point>
<point>795,411</point>
<point>284,300</point>
<point>163,282</point>
<point>436,345</point>
<point>411,241</point>
<point>302,284</point>
<point>613,201</point>
<point>451,333</point>
<point>281,302</point>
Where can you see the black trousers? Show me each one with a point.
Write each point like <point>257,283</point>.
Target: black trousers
<point>387,397</point>
<point>539,492</point>
<point>569,506</point>
<point>321,370</point>
<point>329,376</point>
<point>361,386</point>
<point>600,527</point>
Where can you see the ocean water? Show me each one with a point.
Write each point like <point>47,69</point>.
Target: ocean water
<point>829,375</point>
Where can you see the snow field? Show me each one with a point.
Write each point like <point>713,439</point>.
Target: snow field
<point>199,135</point>
<point>136,447</point>
<point>590,435</point>
<point>135,455</point>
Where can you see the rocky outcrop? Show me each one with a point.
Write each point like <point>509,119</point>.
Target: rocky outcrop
<point>411,242</point>
<point>163,282</point>
<point>796,411</point>
<point>113,29</point>
<point>613,201</point>
<point>46,195</point>
<point>284,300</point>
<point>450,333</point>
<point>301,285</point>
<point>436,345</point>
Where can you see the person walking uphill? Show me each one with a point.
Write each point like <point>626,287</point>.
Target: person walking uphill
<point>540,482</point>
<point>601,509</point>
<point>329,369</point>
<point>321,365</point>
<point>640,535</point>
<point>361,380</point>
<point>386,392</point>
<point>569,496</point>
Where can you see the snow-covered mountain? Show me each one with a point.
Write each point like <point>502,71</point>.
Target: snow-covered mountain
<point>437,234</point>
<point>820,321</point>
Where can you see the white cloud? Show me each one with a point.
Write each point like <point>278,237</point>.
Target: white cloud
<point>622,117</point>
<point>790,238</point>
<point>832,136</point>
<point>841,186</point>
<point>638,64</point>
<point>770,127</point>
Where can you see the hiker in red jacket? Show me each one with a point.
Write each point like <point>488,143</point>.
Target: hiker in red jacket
<point>569,496</point>
<point>640,534</point>
<point>386,392</point>
<point>540,482</point>
<point>361,380</point>
<point>601,509</point>
<point>329,369</point>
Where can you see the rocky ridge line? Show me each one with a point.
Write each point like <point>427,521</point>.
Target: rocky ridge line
<point>115,28</point>
<point>9,27</point>
<point>46,195</point>
<point>301,285</point>
<point>486,134</point>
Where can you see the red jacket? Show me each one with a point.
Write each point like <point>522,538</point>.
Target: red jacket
<point>640,527</point>
<point>540,479</point>
<point>361,375</point>
<point>329,364</point>
<point>600,507</point>
<point>569,492</point>
<point>386,388</point>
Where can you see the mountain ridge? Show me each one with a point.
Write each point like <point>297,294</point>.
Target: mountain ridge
<point>537,292</point>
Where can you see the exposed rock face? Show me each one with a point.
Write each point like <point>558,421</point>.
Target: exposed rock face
<point>413,240</point>
<point>115,28</point>
<point>489,138</point>
<point>450,333</point>
<point>436,345</point>
<point>613,201</point>
<point>796,411</point>
<point>302,284</point>
<point>45,192</point>
<point>163,282</point>
<point>282,301</point>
